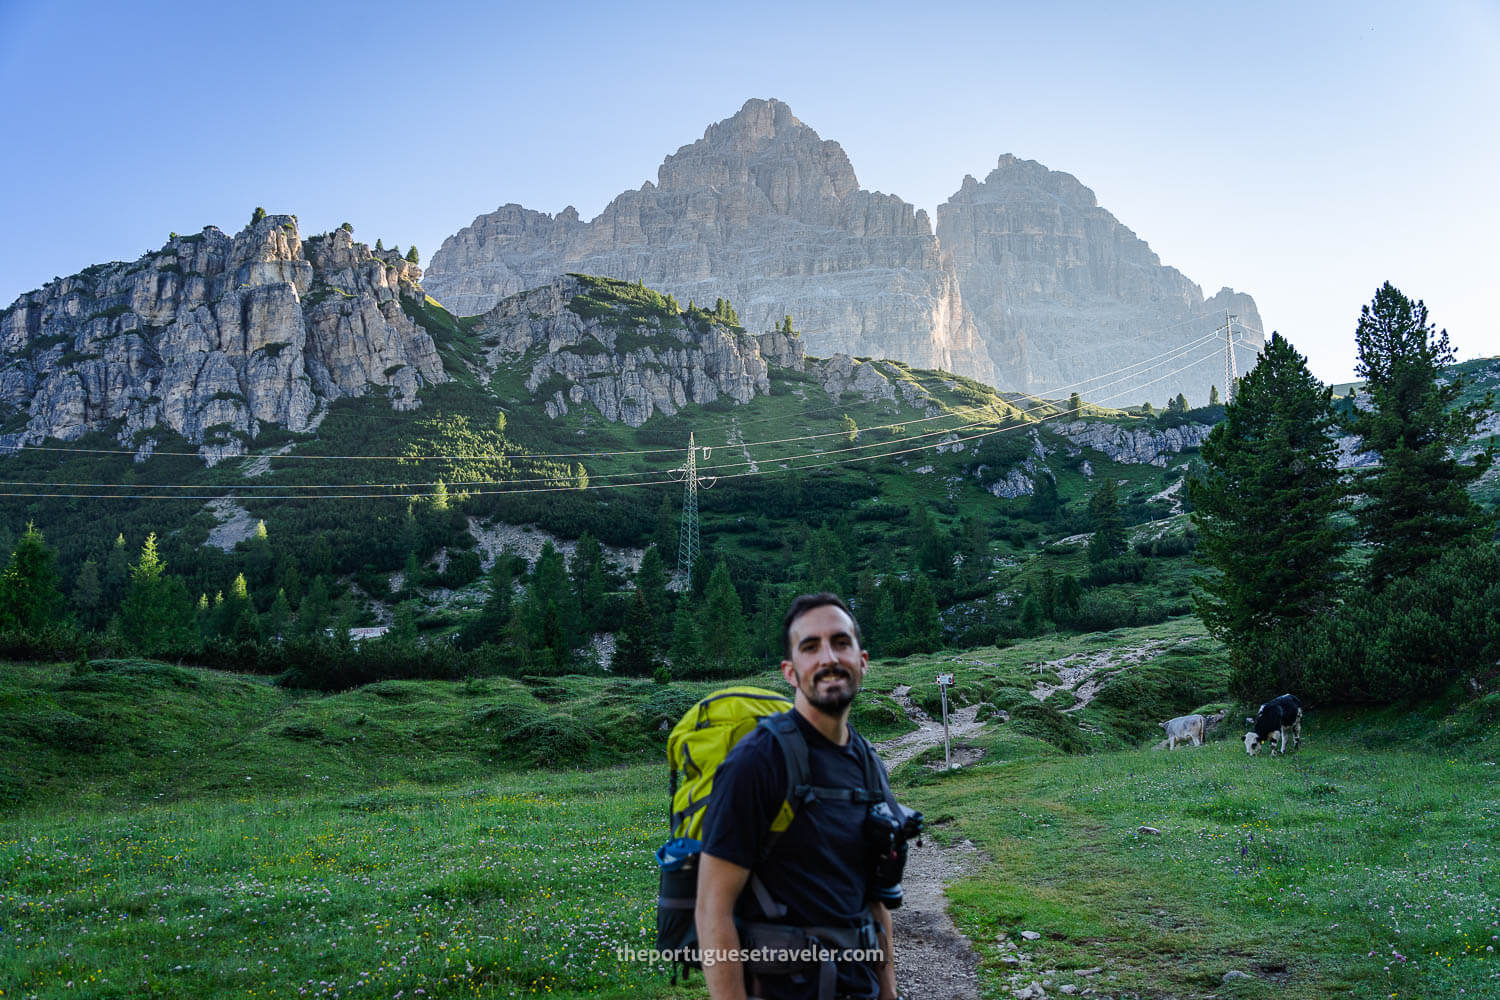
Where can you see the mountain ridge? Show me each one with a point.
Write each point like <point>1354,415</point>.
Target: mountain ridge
<point>764,211</point>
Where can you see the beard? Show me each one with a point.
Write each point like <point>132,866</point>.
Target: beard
<point>836,700</point>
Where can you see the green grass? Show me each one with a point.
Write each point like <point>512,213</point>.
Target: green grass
<point>1311,874</point>
<point>185,833</point>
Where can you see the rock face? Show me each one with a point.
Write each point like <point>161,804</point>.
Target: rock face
<point>1063,293</point>
<point>212,337</point>
<point>630,367</point>
<point>628,370</point>
<point>1028,284</point>
<point>760,211</point>
<point>1130,445</point>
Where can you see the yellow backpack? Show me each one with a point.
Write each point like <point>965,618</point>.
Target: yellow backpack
<point>702,739</point>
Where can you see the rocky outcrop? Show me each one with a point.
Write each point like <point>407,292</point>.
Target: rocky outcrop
<point>1063,293</point>
<point>625,369</point>
<point>1132,445</point>
<point>213,337</point>
<point>760,211</point>
<point>629,366</point>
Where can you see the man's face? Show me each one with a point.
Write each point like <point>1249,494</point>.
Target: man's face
<point>827,665</point>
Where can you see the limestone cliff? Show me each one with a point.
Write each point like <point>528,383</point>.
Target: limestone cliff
<point>212,337</point>
<point>1063,293</point>
<point>578,343</point>
<point>760,211</point>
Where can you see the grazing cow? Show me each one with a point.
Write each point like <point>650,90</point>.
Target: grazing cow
<point>1184,728</point>
<point>1272,721</point>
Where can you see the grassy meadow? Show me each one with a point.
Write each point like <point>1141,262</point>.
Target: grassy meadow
<point>172,832</point>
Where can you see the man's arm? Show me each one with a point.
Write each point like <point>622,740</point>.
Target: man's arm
<point>887,971</point>
<point>719,886</point>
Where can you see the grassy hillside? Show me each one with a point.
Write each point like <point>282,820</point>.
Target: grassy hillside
<point>182,833</point>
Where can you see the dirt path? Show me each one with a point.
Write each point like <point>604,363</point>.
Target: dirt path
<point>933,960</point>
<point>929,731</point>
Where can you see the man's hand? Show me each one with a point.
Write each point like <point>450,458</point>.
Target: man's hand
<point>719,885</point>
<point>886,971</point>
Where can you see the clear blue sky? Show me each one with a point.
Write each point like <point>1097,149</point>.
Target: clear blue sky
<point>1301,152</point>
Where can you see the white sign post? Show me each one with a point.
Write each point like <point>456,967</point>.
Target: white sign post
<point>944,682</point>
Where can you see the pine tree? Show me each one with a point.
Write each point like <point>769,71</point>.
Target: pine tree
<point>651,581</point>
<point>635,644</point>
<point>315,610</point>
<point>726,643</point>
<point>116,574</point>
<point>157,613</point>
<point>1044,503</point>
<point>1418,504</point>
<point>88,593</point>
<point>551,591</point>
<point>30,597</point>
<point>489,625</point>
<point>923,626</point>
<point>1265,512</point>
<point>1213,395</point>
<point>1108,540</point>
<point>586,570</point>
<point>686,650</point>
<point>412,257</point>
<point>279,618</point>
<point>1075,405</point>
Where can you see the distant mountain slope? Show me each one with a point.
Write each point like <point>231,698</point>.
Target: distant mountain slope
<point>212,337</point>
<point>1062,291</point>
<point>760,211</point>
<point>1027,285</point>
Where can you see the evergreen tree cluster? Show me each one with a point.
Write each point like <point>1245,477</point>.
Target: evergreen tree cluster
<point>1297,607</point>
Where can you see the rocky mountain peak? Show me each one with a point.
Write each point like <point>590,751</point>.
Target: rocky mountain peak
<point>761,211</point>
<point>212,337</point>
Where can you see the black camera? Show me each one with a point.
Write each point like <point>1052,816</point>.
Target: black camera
<point>886,833</point>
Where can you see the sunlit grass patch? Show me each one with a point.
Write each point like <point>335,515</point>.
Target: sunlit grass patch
<point>1337,871</point>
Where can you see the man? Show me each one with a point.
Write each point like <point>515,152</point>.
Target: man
<point>817,869</point>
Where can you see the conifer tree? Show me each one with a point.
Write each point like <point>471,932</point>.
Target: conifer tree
<point>489,625</point>
<point>314,612</point>
<point>635,644</point>
<point>412,257</point>
<point>116,574</point>
<point>923,626</point>
<point>726,643</point>
<point>587,572</point>
<point>1213,395</point>
<point>30,597</point>
<point>1265,513</point>
<point>1108,525</point>
<point>279,618</point>
<point>88,593</point>
<point>651,582</point>
<point>1075,405</point>
<point>686,650</point>
<point>157,613</point>
<point>1418,502</point>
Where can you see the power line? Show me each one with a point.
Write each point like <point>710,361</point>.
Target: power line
<point>518,456</point>
<point>597,478</point>
<point>607,486</point>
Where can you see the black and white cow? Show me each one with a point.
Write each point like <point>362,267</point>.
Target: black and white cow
<point>1272,721</point>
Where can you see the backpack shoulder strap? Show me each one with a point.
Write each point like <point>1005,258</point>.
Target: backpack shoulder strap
<point>794,749</point>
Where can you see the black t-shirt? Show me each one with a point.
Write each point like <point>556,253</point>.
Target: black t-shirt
<point>817,868</point>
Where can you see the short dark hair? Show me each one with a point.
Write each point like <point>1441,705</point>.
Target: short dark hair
<point>802,604</point>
